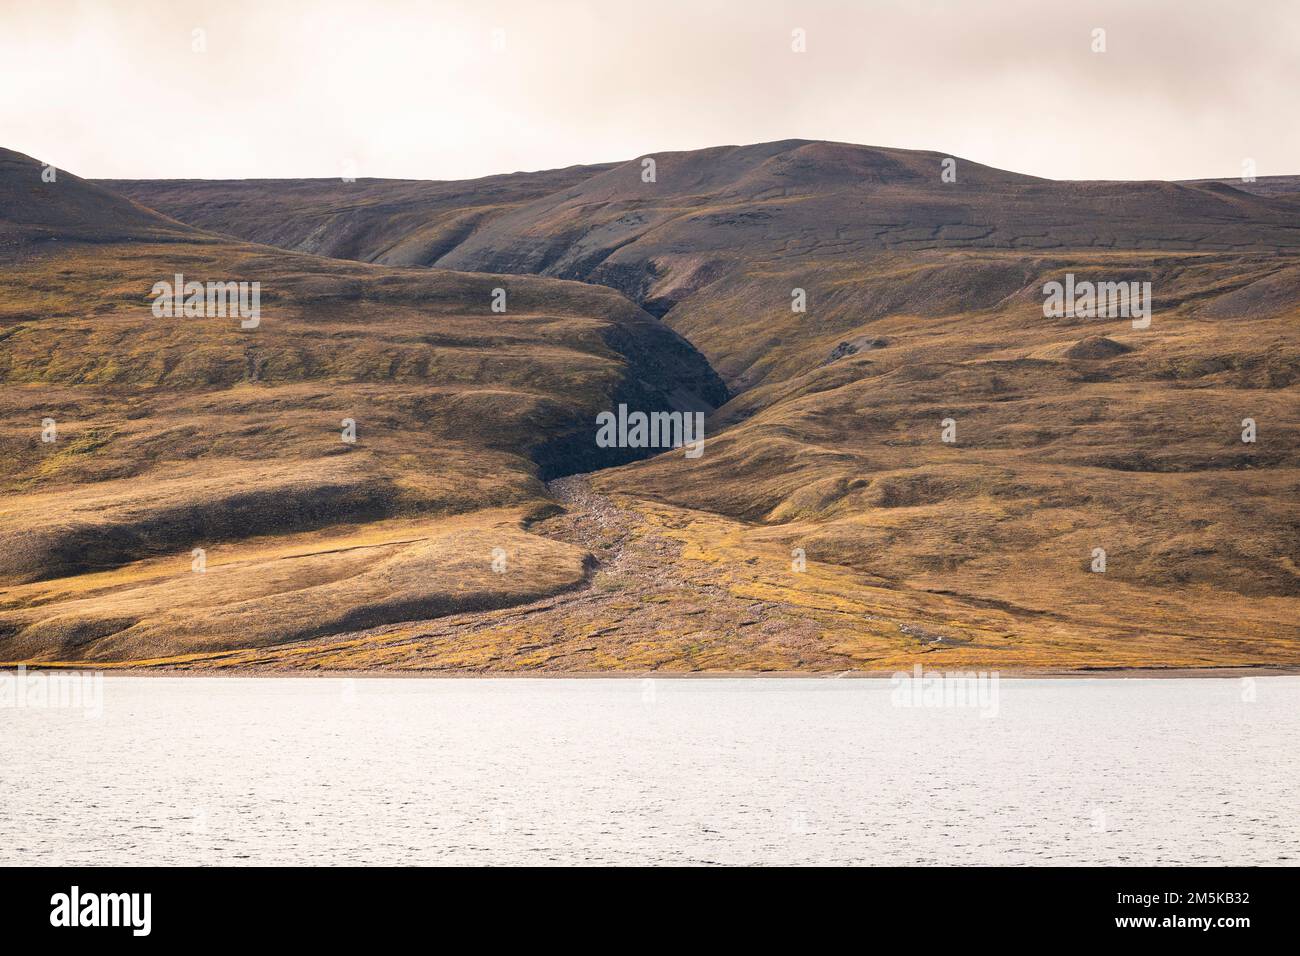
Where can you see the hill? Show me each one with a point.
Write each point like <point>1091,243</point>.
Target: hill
<point>922,465</point>
<point>128,440</point>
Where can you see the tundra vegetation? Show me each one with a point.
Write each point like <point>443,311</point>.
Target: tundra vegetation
<point>906,459</point>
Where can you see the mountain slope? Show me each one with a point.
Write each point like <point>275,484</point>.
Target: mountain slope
<point>127,440</point>
<point>390,221</point>
<point>920,465</point>
<point>747,225</point>
<point>35,209</point>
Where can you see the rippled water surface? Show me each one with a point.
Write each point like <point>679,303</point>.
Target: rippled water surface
<point>323,770</point>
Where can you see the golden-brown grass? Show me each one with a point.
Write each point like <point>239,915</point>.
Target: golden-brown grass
<point>924,304</point>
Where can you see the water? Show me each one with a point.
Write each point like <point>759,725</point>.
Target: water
<point>791,771</point>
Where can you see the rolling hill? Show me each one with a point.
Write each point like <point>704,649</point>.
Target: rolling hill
<point>921,465</point>
<point>127,440</point>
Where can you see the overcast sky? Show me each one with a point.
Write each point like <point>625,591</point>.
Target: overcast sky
<point>415,88</point>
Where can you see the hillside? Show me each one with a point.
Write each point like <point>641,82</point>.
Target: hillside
<point>924,308</point>
<point>740,227</point>
<point>391,221</point>
<point>1280,186</point>
<point>708,212</point>
<point>171,434</point>
<point>35,209</point>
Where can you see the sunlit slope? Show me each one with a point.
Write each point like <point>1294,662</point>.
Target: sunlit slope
<point>1077,444</point>
<point>1069,435</point>
<point>175,434</point>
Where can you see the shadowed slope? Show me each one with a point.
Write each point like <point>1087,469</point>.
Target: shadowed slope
<point>1286,187</point>
<point>392,221</point>
<point>33,210</point>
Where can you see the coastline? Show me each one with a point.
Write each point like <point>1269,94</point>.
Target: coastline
<point>1099,673</point>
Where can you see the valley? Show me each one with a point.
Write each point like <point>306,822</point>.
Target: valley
<point>943,459</point>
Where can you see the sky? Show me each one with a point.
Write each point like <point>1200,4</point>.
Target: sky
<point>436,89</point>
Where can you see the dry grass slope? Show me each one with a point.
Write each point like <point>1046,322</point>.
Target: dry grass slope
<point>175,434</point>
<point>924,304</point>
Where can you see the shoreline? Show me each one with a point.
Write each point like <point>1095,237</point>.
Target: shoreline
<point>1218,671</point>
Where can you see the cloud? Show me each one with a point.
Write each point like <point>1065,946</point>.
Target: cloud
<point>417,89</point>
